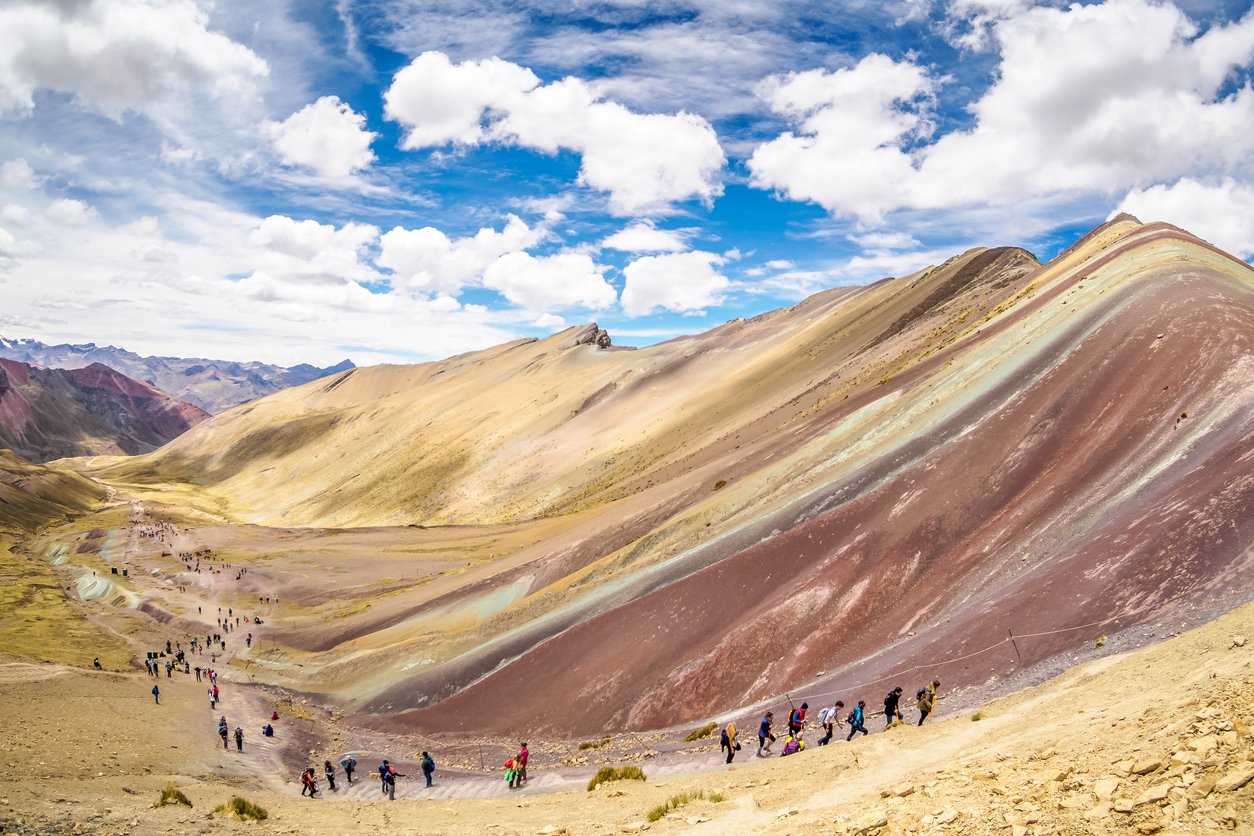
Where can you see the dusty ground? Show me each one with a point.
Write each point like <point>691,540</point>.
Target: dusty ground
<point>90,752</point>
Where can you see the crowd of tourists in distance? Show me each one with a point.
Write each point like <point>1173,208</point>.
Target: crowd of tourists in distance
<point>830,719</point>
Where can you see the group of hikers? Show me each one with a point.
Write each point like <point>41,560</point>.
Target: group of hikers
<point>829,718</point>
<point>387,774</point>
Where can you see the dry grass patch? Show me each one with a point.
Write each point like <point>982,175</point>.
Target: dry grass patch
<point>172,795</point>
<point>242,809</point>
<point>701,733</point>
<point>676,801</point>
<point>616,773</point>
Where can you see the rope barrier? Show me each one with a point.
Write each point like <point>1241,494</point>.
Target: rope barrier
<point>950,661</point>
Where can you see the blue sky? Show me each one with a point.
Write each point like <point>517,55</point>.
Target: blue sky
<point>398,180</point>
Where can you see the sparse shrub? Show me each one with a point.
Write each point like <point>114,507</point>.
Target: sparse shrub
<point>1101,641</point>
<point>720,484</point>
<point>977,716</point>
<point>172,795</point>
<point>242,809</point>
<point>677,801</point>
<point>594,744</point>
<point>616,773</point>
<point>698,734</point>
<point>716,797</point>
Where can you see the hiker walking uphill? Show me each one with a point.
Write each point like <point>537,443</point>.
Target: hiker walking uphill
<point>829,718</point>
<point>349,763</point>
<point>728,741</point>
<point>857,719</point>
<point>428,766</point>
<point>797,720</point>
<point>156,695</point>
<point>765,737</point>
<point>892,708</point>
<point>309,782</point>
<point>329,771</point>
<point>239,740</point>
<point>927,699</point>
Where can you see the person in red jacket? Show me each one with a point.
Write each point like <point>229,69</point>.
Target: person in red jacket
<point>797,720</point>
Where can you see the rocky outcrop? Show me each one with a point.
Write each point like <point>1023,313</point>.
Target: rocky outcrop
<point>593,335</point>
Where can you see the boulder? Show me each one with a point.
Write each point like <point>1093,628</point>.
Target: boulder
<point>1237,778</point>
<point>1146,765</point>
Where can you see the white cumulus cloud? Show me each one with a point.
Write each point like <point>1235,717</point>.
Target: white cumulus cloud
<point>116,55</point>
<point>69,212</point>
<point>327,136</point>
<point>428,260</point>
<point>308,252</point>
<point>643,161</point>
<point>853,125</point>
<point>565,280</point>
<point>18,175</point>
<point>644,237</point>
<point>1222,214</point>
<point>679,282</point>
<point>1087,99</point>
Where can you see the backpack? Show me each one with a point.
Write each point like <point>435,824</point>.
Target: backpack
<point>723,742</point>
<point>919,695</point>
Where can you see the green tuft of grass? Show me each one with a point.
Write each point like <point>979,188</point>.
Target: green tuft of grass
<point>242,809</point>
<point>977,716</point>
<point>716,797</point>
<point>172,795</point>
<point>1100,642</point>
<point>703,732</point>
<point>677,801</point>
<point>616,773</point>
<point>594,744</point>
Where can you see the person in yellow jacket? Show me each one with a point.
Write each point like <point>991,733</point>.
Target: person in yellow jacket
<point>927,699</point>
<point>728,741</point>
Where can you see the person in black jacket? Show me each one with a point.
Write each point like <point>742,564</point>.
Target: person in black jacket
<point>892,709</point>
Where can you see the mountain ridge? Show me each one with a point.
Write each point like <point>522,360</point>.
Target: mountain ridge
<point>212,385</point>
<point>922,459</point>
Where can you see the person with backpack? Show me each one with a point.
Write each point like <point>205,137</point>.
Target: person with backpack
<point>239,739</point>
<point>765,738</point>
<point>428,766</point>
<point>797,720</point>
<point>156,695</point>
<point>892,708</point>
<point>829,718</point>
<point>388,775</point>
<point>329,771</point>
<point>927,699</point>
<point>793,745</point>
<point>349,763</point>
<point>511,771</point>
<point>224,733</point>
<point>727,740</point>
<point>857,718</point>
<point>309,782</point>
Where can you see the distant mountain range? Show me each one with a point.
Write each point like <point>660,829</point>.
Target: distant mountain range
<point>49,414</point>
<point>212,385</point>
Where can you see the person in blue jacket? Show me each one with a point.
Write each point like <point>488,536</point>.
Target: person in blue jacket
<point>856,719</point>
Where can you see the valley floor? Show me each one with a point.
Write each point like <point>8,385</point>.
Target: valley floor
<point>1157,739</point>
